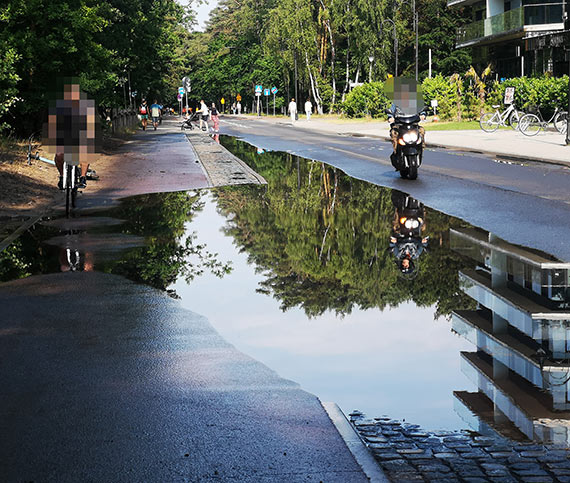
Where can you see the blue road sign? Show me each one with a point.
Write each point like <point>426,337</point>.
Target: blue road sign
<point>181,91</point>
<point>265,92</point>
<point>274,90</point>
<point>258,89</point>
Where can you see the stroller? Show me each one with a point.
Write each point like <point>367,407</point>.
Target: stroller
<point>187,123</point>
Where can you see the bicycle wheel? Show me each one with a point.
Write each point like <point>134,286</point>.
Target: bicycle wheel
<point>530,125</point>
<point>489,122</point>
<point>514,119</point>
<point>561,122</point>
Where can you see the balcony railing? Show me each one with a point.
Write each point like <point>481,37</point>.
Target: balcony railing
<point>510,21</point>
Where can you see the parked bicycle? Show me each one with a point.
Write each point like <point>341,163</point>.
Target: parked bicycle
<point>491,121</point>
<point>531,124</point>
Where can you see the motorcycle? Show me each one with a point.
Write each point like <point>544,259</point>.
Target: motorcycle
<point>409,136</point>
<point>407,242</point>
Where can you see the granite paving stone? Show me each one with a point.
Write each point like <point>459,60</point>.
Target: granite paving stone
<point>410,454</point>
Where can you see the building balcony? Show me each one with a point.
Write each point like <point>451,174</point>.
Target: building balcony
<point>515,23</point>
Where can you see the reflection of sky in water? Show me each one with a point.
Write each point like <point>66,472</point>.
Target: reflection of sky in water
<point>399,362</point>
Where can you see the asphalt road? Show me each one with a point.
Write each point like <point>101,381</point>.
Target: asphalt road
<point>524,203</point>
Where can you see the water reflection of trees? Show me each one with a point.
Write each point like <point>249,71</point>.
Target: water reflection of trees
<point>321,239</point>
<point>169,251</point>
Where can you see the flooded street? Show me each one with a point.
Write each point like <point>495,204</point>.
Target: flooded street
<point>318,276</point>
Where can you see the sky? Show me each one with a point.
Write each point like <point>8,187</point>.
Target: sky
<point>203,12</point>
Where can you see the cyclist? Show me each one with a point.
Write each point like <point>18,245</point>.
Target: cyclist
<point>71,131</point>
<point>155,111</point>
<point>143,111</point>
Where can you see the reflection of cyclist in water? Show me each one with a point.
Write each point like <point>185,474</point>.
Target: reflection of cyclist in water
<point>72,260</point>
<point>407,242</point>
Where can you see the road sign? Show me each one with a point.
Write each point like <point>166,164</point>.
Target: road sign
<point>274,90</point>
<point>179,97</point>
<point>223,101</point>
<point>238,98</point>
<point>134,93</point>
<point>265,92</point>
<point>181,91</point>
<point>258,89</point>
<point>509,95</point>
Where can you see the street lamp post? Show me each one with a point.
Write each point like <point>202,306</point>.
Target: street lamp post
<point>371,60</point>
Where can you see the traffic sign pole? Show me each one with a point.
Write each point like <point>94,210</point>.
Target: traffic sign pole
<point>274,91</point>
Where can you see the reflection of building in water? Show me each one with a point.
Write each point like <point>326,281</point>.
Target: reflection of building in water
<point>522,333</point>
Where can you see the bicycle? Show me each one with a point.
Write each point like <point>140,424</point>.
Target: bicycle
<point>70,177</point>
<point>531,124</point>
<point>490,121</point>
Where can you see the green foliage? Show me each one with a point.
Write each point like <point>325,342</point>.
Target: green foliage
<point>366,100</point>
<point>442,89</point>
<point>545,91</point>
<point>103,43</point>
<point>8,81</point>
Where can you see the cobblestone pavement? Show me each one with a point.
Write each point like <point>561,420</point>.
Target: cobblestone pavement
<point>222,167</point>
<point>408,454</point>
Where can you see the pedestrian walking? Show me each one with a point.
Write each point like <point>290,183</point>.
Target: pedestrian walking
<point>215,118</point>
<point>293,110</point>
<point>308,109</point>
<point>203,115</point>
<point>238,108</point>
<point>155,113</point>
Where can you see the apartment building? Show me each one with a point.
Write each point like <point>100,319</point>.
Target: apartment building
<point>520,37</point>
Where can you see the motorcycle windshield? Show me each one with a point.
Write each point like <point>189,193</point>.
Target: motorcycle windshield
<point>405,94</point>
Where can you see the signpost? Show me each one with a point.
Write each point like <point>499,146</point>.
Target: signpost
<point>266,94</point>
<point>187,88</point>
<point>258,90</point>
<point>180,96</point>
<point>274,91</point>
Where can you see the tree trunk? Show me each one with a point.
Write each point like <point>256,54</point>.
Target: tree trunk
<point>347,74</point>
<point>333,56</point>
<point>314,86</point>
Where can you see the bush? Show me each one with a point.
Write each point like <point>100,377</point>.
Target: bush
<point>546,92</point>
<point>442,89</point>
<point>366,100</point>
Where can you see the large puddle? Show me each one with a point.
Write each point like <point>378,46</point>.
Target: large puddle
<point>359,293</point>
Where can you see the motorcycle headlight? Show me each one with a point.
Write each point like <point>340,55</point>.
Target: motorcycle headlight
<point>411,137</point>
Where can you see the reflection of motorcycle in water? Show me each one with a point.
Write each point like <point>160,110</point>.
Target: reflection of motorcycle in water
<point>407,242</point>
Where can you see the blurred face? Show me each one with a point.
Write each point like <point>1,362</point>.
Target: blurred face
<point>71,92</point>
<point>405,263</point>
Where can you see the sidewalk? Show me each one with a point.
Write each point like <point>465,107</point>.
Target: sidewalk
<point>544,147</point>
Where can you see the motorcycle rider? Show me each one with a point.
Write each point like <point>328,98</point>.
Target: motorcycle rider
<point>394,133</point>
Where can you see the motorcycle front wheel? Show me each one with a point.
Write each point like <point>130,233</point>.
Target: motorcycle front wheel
<point>413,172</point>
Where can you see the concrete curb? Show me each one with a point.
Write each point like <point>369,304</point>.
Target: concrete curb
<point>355,444</point>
